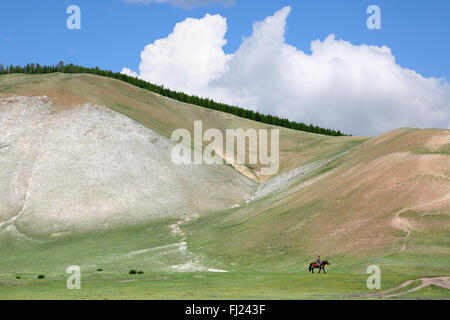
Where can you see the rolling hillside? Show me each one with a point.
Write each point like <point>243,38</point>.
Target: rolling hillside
<point>390,197</point>
<point>164,115</point>
<point>86,179</point>
<point>88,168</point>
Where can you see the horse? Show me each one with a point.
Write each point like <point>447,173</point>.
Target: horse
<point>314,265</point>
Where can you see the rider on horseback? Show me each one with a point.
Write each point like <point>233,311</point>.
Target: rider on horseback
<point>318,264</point>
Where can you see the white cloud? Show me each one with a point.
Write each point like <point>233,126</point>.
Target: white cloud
<point>185,3</point>
<point>359,89</point>
<point>190,57</point>
<point>129,72</point>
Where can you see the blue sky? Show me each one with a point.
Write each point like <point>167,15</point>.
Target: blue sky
<point>114,32</point>
<point>359,81</point>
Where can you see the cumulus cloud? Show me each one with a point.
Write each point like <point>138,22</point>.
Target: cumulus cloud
<point>359,89</point>
<point>190,57</point>
<point>129,72</point>
<point>185,3</point>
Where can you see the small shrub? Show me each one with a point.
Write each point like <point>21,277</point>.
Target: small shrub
<point>141,272</point>
<point>41,276</point>
<point>132,272</point>
<point>18,277</point>
<point>99,270</point>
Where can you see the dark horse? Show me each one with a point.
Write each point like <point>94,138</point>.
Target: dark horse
<point>314,265</point>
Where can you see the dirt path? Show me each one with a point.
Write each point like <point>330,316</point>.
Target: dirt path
<point>403,224</point>
<point>195,262</point>
<point>175,228</point>
<point>443,282</point>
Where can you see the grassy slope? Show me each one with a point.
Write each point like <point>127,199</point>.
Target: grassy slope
<point>267,244</point>
<point>347,215</point>
<point>165,115</point>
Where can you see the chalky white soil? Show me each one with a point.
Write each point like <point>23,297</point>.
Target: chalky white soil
<point>88,167</point>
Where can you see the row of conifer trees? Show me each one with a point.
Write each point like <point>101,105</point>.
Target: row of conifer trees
<point>33,68</point>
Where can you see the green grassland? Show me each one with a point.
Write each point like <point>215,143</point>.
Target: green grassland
<point>249,276</point>
<point>187,286</point>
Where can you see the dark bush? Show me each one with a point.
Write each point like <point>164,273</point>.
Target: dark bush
<point>41,276</point>
<point>132,272</point>
<point>99,270</point>
<point>18,277</point>
<point>141,272</point>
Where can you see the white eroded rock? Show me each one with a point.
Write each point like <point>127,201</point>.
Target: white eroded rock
<point>89,167</point>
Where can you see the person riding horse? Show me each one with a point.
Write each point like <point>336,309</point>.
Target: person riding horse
<point>318,264</point>
<point>319,261</point>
